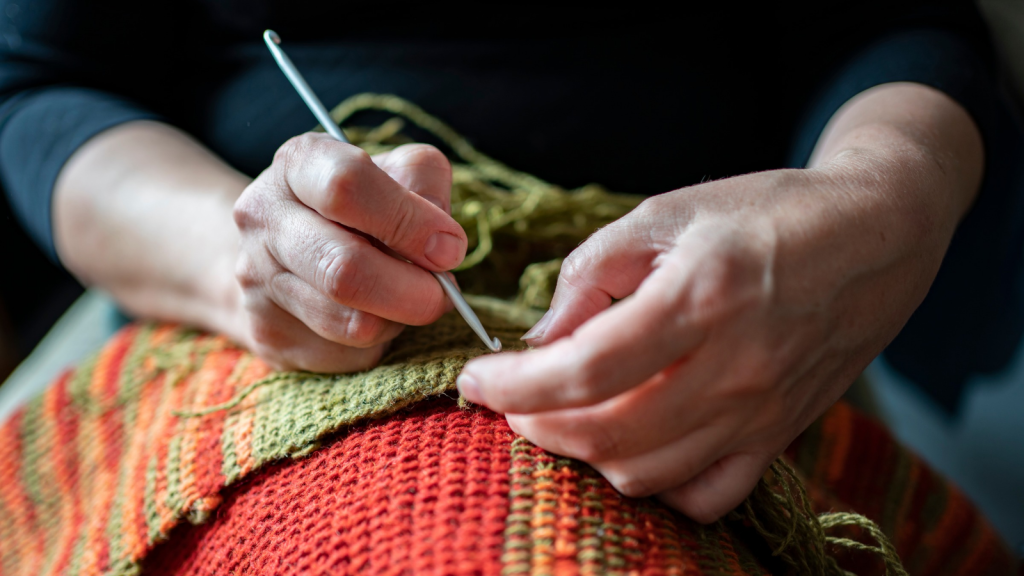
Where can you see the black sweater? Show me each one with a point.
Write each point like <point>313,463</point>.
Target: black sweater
<point>641,101</point>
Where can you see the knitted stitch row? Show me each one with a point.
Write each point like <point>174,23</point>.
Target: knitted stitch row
<point>434,489</point>
<point>99,471</point>
<point>117,453</point>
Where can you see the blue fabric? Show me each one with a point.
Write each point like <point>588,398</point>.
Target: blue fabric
<point>973,317</point>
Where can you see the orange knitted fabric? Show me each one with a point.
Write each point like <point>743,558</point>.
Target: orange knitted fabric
<point>175,452</point>
<point>440,490</point>
<point>103,468</point>
<point>422,492</point>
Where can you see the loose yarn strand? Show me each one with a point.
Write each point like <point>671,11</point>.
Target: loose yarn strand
<point>244,393</point>
<point>488,197</point>
<point>780,511</point>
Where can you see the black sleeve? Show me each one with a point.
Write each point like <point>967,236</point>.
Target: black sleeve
<point>972,318</point>
<point>59,63</point>
<point>39,130</point>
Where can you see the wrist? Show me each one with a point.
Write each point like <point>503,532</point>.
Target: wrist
<point>900,191</point>
<point>862,213</point>
<point>917,144</point>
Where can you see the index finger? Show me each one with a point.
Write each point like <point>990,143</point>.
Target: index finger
<point>342,183</point>
<point>611,353</point>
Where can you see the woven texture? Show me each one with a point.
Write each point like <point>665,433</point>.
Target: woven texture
<point>440,490</point>
<point>112,456</point>
<point>100,470</point>
<point>423,492</point>
<point>178,452</point>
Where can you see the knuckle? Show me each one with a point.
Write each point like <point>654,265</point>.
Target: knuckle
<point>340,276</point>
<point>369,358</point>
<point>701,511</point>
<point>248,209</point>
<point>423,155</point>
<point>573,267</point>
<point>343,179</point>
<point>585,384</point>
<point>650,216</point>
<point>728,282</point>
<point>712,295</point>
<point>399,226</point>
<point>246,273</point>
<point>577,271</point>
<point>593,444</point>
<point>339,184</point>
<point>267,335</point>
<point>630,485</point>
<point>649,208</point>
<point>292,148</point>
<point>363,330</point>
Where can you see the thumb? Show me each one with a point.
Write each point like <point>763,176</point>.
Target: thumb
<point>609,266</point>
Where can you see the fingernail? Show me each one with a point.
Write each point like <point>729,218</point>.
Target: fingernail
<point>444,250</point>
<point>469,389</point>
<point>539,328</point>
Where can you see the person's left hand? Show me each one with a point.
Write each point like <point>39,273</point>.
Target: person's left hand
<point>723,349</point>
<point>748,306</point>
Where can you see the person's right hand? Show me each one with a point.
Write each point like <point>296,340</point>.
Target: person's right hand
<point>321,292</point>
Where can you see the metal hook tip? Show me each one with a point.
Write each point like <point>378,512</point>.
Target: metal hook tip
<point>495,345</point>
<point>271,36</point>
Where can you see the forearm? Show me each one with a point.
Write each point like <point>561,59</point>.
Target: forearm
<point>892,175</point>
<point>913,146</point>
<point>899,166</point>
<point>747,306</point>
<point>144,211</point>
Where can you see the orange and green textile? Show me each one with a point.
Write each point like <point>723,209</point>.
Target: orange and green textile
<point>176,452</point>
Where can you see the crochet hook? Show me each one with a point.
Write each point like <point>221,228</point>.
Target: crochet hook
<point>273,42</point>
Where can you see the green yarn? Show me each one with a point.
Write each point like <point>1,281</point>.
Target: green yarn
<point>294,410</point>
<point>537,284</point>
<point>519,227</point>
<point>513,219</point>
<point>780,511</point>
